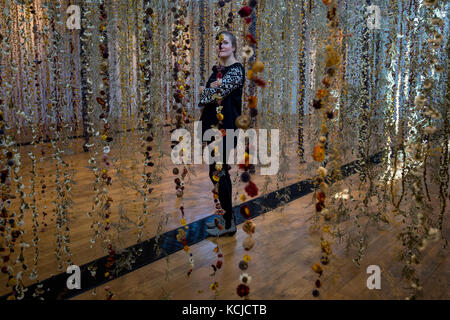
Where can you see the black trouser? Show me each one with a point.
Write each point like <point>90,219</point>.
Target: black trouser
<point>225,192</point>
<point>225,186</point>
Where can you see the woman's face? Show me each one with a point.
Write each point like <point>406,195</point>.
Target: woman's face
<point>225,49</point>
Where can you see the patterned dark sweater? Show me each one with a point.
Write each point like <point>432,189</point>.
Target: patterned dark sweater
<point>231,92</point>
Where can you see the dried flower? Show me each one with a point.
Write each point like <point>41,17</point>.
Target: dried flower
<point>251,189</point>
<point>259,82</point>
<point>317,268</point>
<point>245,177</point>
<point>245,278</point>
<point>249,227</point>
<point>248,243</point>
<point>243,290</point>
<point>214,286</point>
<point>317,104</point>
<point>243,122</point>
<point>324,260</point>
<point>245,11</point>
<point>247,52</point>
<point>250,39</point>
<point>257,66</point>
<point>253,113</point>
<point>322,93</point>
<point>252,102</point>
<point>326,247</point>
<point>321,171</point>
<point>320,196</point>
<point>243,265</point>
<point>319,153</point>
<point>245,211</point>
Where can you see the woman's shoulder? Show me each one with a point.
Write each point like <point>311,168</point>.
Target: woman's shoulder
<point>236,66</point>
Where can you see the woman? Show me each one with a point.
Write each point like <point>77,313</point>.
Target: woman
<point>226,81</point>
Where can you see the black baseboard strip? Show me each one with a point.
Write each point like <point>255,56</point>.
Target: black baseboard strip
<point>146,252</point>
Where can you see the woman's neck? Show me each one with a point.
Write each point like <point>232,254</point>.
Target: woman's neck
<point>227,62</point>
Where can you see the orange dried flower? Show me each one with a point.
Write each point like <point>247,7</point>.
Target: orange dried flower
<point>322,93</point>
<point>258,66</point>
<point>319,153</point>
<point>252,101</point>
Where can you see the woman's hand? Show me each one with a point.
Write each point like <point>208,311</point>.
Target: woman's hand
<point>216,84</point>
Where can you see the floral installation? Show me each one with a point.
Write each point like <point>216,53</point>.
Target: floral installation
<point>180,49</point>
<point>244,122</point>
<point>323,104</point>
<point>382,90</point>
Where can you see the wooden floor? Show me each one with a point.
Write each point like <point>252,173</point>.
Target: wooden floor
<point>281,260</point>
<point>280,265</point>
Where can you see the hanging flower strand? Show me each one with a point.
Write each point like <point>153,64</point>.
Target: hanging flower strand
<point>244,122</point>
<point>179,49</point>
<point>323,103</point>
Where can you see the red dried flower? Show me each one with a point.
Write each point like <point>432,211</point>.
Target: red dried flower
<point>245,11</point>
<point>319,206</point>
<point>259,82</point>
<point>248,20</point>
<point>244,166</point>
<point>251,39</point>
<point>243,290</point>
<point>320,197</point>
<point>251,189</point>
<point>219,264</point>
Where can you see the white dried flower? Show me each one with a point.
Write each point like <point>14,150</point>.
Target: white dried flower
<point>245,278</point>
<point>321,171</point>
<point>247,52</point>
